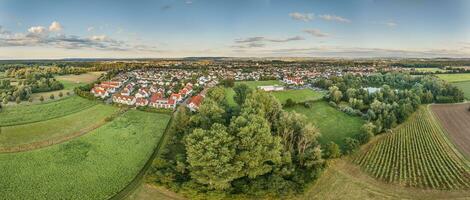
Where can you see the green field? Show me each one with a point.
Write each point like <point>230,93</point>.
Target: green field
<point>465,87</point>
<point>462,81</point>
<point>15,115</point>
<point>75,123</point>
<point>94,166</point>
<point>455,77</point>
<point>298,96</point>
<point>334,125</point>
<point>430,69</point>
<point>417,154</point>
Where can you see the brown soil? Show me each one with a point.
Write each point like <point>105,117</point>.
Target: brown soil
<point>455,118</point>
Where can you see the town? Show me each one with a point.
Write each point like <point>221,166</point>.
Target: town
<point>165,88</point>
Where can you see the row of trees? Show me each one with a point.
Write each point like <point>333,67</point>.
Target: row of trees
<point>253,149</point>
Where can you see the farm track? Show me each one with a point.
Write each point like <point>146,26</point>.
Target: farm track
<point>416,154</point>
<point>455,119</point>
<point>53,140</point>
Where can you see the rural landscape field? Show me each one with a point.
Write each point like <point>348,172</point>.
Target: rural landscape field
<point>242,100</point>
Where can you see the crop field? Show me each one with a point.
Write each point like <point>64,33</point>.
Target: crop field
<point>417,154</point>
<point>48,131</point>
<point>94,166</point>
<point>24,114</point>
<point>455,118</point>
<point>334,125</point>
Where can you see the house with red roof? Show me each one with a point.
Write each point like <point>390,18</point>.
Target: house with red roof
<point>195,102</point>
<point>141,101</point>
<point>123,99</point>
<point>293,80</point>
<point>157,101</point>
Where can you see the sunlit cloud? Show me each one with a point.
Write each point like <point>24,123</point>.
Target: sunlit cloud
<point>306,17</point>
<point>316,33</point>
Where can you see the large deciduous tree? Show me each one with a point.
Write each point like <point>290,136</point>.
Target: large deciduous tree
<point>212,157</point>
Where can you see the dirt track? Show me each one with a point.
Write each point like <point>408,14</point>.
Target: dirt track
<point>455,118</point>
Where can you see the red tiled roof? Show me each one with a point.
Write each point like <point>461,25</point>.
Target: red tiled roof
<point>196,100</point>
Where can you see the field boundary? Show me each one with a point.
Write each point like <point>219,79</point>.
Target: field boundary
<point>457,151</point>
<point>56,117</point>
<point>53,140</point>
<point>138,179</point>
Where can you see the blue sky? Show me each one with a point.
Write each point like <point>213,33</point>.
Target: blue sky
<point>180,28</point>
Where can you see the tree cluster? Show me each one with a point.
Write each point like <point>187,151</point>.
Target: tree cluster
<point>257,149</point>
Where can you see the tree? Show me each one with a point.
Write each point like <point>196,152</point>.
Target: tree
<point>181,121</point>
<point>366,133</point>
<point>211,155</point>
<point>332,150</point>
<point>241,92</point>
<point>257,149</point>
<point>351,145</point>
<point>209,113</point>
<point>335,94</point>
<point>289,103</point>
<point>263,103</point>
<point>217,94</point>
<point>41,98</point>
<point>228,82</point>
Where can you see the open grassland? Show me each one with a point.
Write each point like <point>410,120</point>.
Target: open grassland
<point>24,114</point>
<point>72,81</point>
<point>417,154</point>
<point>300,95</point>
<point>465,87</point>
<point>455,77</point>
<point>94,166</point>
<point>430,69</point>
<point>43,133</point>
<point>455,118</point>
<point>334,125</point>
<point>343,180</point>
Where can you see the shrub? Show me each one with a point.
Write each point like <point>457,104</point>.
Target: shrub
<point>289,103</point>
<point>307,105</point>
<point>41,98</point>
<point>332,103</point>
<point>61,94</point>
<point>351,145</point>
<point>52,96</point>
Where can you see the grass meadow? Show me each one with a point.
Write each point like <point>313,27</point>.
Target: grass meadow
<point>334,125</point>
<point>23,114</point>
<point>94,166</point>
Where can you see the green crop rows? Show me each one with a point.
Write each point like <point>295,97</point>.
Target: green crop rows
<point>416,154</point>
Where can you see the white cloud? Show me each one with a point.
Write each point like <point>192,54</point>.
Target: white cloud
<point>38,30</point>
<point>99,38</point>
<point>316,33</point>
<point>306,17</point>
<point>261,41</point>
<point>188,2</point>
<point>391,24</point>
<point>91,28</point>
<point>334,18</point>
<point>55,27</point>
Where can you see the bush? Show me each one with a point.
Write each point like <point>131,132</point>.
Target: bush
<point>332,150</point>
<point>332,103</point>
<point>307,104</point>
<point>289,103</point>
<point>52,96</point>
<point>351,145</point>
<point>41,98</point>
<point>61,94</point>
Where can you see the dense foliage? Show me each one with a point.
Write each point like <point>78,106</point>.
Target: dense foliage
<point>28,81</point>
<point>257,149</point>
<point>386,100</point>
